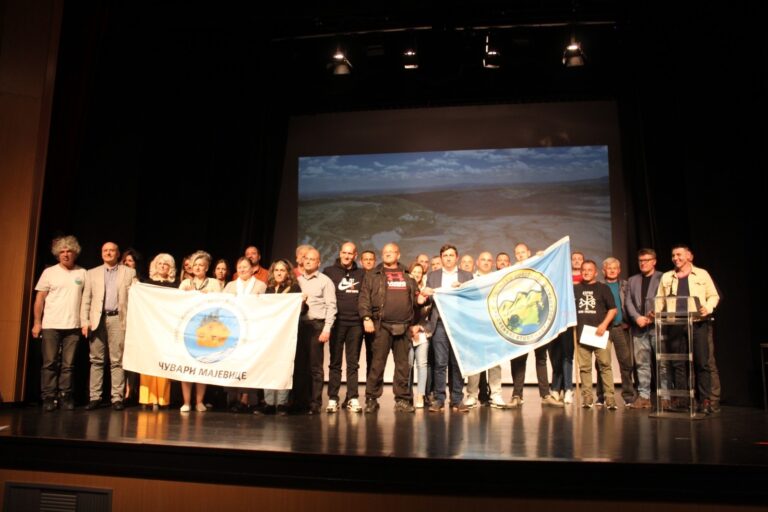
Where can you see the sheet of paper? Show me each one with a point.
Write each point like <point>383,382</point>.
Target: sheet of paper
<point>589,337</point>
<point>421,338</point>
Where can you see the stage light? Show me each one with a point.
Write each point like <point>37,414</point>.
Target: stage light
<point>410,59</point>
<point>573,55</point>
<point>492,56</point>
<point>339,64</point>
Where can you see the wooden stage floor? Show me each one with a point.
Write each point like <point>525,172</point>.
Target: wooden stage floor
<point>720,459</point>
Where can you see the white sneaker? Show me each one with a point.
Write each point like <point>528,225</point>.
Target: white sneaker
<point>471,402</point>
<point>498,403</point>
<point>333,406</point>
<point>201,408</point>
<point>418,401</point>
<point>568,397</point>
<point>185,408</point>
<point>353,405</point>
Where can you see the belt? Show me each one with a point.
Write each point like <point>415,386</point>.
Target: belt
<point>111,313</point>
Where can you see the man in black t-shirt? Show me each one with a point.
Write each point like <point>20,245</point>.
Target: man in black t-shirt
<point>386,305</point>
<point>595,307</point>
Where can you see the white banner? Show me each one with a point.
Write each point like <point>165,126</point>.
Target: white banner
<point>213,338</point>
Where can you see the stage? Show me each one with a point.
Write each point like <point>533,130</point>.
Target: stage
<point>535,452</point>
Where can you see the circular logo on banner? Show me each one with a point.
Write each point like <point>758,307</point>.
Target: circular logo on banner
<point>211,333</point>
<point>522,306</point>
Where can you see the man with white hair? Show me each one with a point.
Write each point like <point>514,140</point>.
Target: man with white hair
<point>618,331</point>
<point>57,322</point>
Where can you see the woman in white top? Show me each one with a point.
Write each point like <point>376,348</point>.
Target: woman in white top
<point>245,284</point>
<point>201,260</point>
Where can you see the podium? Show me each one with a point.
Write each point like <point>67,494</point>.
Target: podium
<point>675,376</point>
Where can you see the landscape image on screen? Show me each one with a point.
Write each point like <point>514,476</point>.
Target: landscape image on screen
<point>478,200</point>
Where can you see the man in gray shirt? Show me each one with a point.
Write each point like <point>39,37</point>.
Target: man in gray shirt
<point>314,327</point>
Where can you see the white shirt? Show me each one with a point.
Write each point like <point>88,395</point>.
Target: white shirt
<point>62,304</point>
<point>450,277</point>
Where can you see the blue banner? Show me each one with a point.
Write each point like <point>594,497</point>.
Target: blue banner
<point>505,314</point>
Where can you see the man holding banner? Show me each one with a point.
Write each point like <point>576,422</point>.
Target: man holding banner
<point>449,276</point>
<point>506,314</point>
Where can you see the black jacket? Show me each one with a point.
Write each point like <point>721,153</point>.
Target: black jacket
<point>374,293</point>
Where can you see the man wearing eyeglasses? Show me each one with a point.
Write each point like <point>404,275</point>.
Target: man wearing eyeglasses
<point>641,291</point>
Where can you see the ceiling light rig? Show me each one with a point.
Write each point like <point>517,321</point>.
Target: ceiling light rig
<point>339,64</point>
<point>573,56</point>
<point>492,56</point>
<point>410,58</point>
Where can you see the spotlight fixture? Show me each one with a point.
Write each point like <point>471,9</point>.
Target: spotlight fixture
<point>410,59</point>
<point>573,55</point>
<point>339,64</point>
<point>492,56</point>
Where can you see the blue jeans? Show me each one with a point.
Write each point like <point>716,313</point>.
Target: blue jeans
<point>644,344</point>
<point>420,355</point>
<point>443,356</point>
<point>561,355</point>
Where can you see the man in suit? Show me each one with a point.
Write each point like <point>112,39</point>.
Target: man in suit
<point>447,276</point>
<point>639,300</point>
<point>103,315</point>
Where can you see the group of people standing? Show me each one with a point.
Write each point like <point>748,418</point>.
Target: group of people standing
<point>387,307</point>
<point>625,309</point>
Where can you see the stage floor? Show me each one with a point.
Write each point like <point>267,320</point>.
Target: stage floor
<point>479,450</point>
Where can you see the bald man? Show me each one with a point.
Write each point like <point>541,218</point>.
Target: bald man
<point>314,330</point>
<point>485,266</point>
<point>386,305</point>
<point>103,318</point>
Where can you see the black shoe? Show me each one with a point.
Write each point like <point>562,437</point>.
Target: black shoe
<point>706,407</point>
<point>313,410</point>
<point>118,406</point>
<point>49,405</point>
<point>269,409</point>
<point>93,404</point>
<point>371,405</point>
<point>282,410</point>
<point>238,407</point>
<point>67,403</point>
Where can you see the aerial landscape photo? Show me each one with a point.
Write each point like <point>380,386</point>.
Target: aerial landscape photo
<point>477,200</point>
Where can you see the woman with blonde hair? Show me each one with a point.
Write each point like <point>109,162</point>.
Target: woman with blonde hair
<point>155,392</point>
<point>200,282</point>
